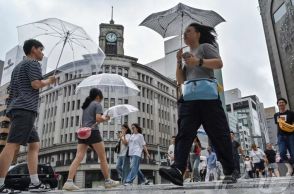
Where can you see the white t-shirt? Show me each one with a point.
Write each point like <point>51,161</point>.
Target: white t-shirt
<point>171,153</point>
<point>257,155</point>
<point>136,143</point>
<point>123,147</point>
<point>248,165</point>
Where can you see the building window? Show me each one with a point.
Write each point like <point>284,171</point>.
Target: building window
<point>139,105</point>
<point>143,122</point>
<point>143,107</point>
<point>126,119</point>
<point>119,71</point>
<point>148,123</point>
<point>68,106</point>
<point>139,76</point>
<point>139,93</point>
<point>111,135</point>
<point>69,90</point>
<point>104,134</point>
<point>73,105</point>
<point>66,124</point>
<point>120,101</point>
<point>148,106</point>
<point>281,11</point>
<point>78,104</point>
<point>106,69</point>
<point>106,103</point>
<point>77,120</point>
<point>139,121</point>
<point>151,127</point>
<point>112,102</point>
<point>113,69</point>
<point>126,74</point>
<point>71,121</point>
<point>143,92</point>
<point>126,101</point>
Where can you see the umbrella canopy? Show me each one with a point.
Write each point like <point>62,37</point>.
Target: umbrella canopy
<point>64,42</point>
<point>171,22</point>
<point>113,83</point>
<point>120,110</point>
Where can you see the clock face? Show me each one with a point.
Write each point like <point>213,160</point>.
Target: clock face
<point>111,37</point>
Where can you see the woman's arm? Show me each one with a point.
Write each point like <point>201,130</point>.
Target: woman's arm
<point>146,151</point>
<point>100,118</point>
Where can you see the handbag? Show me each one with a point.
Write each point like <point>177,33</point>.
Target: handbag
<point>200,89</point>
<point>85,132</point>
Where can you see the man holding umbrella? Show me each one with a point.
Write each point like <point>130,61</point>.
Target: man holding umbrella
<point>26,80</point>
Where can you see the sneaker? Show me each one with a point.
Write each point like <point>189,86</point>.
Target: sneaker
<point>70,187</point>
<point>173,175</point>
<point>229,179</point>
<point>38,188</point>
<point>111,183</point>
<point>128,184</point>
<point>3,189</point>
<point>147,182</point>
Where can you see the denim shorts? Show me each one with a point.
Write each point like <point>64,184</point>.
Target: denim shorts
<point>22,130</point>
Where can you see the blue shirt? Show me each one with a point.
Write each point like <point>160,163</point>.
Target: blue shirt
<point>211,160</point>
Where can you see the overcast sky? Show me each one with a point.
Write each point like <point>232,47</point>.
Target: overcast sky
<point>241,38</point>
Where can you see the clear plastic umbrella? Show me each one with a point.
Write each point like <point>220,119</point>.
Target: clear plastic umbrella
<point>120,110</point>
<point>108,82</point>
<point>65,44</point>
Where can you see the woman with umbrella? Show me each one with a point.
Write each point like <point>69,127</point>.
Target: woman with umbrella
<point>92,115</point>
<point>200,107</point>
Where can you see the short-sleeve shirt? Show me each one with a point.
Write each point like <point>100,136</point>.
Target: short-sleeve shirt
<point>205,51</point>
<point>123,147</point>
<point>270,155</point>
<point>136,144</point>
<point>256,155</point>
<point>89,114</point>
<point>288,116</point>
<point>21,94</point>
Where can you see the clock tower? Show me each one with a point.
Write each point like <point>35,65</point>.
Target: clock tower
<point>111,38</point>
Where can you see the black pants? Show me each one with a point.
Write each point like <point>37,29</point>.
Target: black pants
<point>211,115</point>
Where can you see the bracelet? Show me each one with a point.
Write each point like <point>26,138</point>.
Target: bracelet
<point>200,62</point>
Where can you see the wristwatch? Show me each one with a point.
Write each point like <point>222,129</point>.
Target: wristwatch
<point>200,62</point>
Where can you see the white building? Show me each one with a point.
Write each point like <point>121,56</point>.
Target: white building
<point>249,113</point>
<point>60,112</point>
<point>271,125</point>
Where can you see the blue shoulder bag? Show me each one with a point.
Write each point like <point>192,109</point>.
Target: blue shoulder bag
<point>200,89</point>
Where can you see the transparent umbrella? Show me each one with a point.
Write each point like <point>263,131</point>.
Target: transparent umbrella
<point>65,44</point>
<point>108,82</point>
<point>120,110</point>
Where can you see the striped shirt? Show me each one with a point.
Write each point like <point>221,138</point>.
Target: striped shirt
<point>21,94</point>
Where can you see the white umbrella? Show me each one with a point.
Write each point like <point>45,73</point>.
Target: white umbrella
<point>110,82</point>
<point>120,110</point>
<point>65,43</point>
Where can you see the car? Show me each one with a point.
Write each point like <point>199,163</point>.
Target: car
<point>18,177</point>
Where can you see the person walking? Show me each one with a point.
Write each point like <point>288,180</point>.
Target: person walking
<point>237,151</point>
<point>195,159</point>
<point>285,136</point>
<point>258,159</point>
<point>211,164</point>
<point>171,151</point>
<point>200,63</point>
<point>22,109</point>
<point>271,160</point>
<point>248,167</point>
<point>92,116</point>
<point>136,145</point>
<point>123,161</point>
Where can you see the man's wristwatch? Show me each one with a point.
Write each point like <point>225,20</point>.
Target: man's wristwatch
<point>200,62</point>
